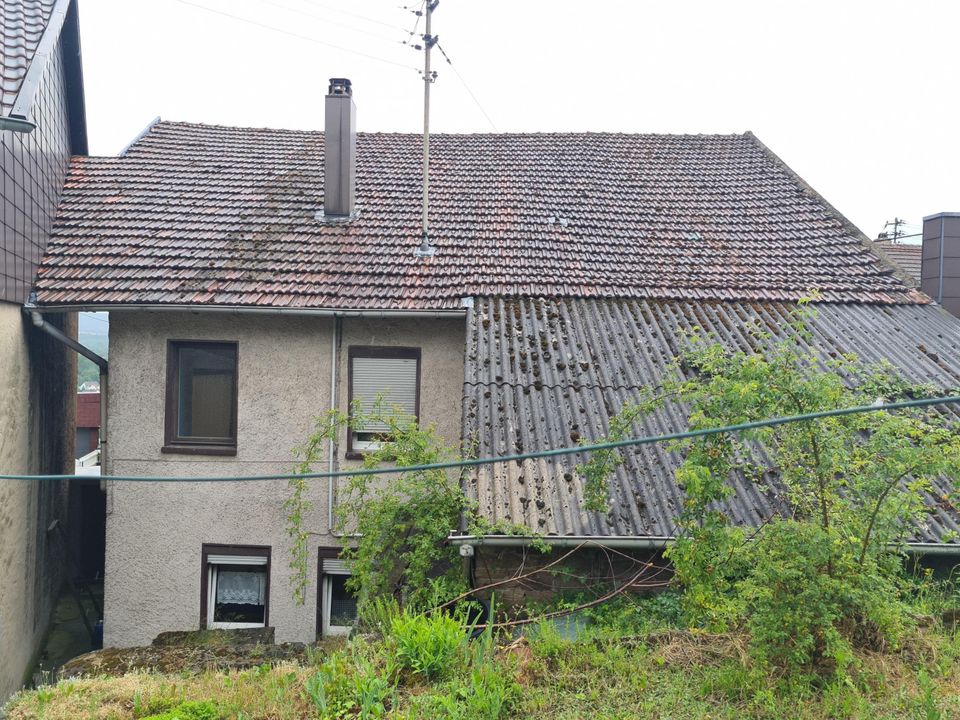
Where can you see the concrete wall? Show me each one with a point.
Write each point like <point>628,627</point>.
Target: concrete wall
<point>155,531</point>
<point>36,411</point>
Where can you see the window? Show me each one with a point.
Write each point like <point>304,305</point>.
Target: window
<point>201,398</point>
<point>392,374</point>
<point>235,586</point>
<point>337,607</point>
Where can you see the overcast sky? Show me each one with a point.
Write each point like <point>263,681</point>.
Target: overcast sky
<point>860,98</point>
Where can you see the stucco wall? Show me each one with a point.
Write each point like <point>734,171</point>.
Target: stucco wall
<point>35,381</point>
<point>155,530</point>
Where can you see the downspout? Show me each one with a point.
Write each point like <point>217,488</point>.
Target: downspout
<point>332,445</point>
<point>58,335</point>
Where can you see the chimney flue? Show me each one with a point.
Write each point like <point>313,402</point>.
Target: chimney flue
<point>340,150</point>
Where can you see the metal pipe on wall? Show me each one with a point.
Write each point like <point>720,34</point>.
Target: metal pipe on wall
<point>37,319</point>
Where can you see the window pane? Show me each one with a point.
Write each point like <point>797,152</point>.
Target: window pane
<point>240,594</point>
<point>343,605</point>
<point>205,398</point>
<point>392,379</point>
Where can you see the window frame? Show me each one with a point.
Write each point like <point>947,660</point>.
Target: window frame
<point>324,594</point>
<point>172,441</point>
<point>378,352</point>
<point>208,549</point>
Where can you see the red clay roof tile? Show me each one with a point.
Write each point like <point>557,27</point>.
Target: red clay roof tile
<point>218,215</point>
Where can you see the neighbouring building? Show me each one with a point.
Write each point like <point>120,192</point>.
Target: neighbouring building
<point>87,423</point>
<point>904,257</point>
<point>256,278</point>
<point>41,126</point>
<point>940,273</point>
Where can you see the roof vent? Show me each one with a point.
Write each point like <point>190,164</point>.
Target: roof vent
<point>340,151</point>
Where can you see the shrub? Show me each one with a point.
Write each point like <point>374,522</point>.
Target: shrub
<point>820,576</point>
<point>427,644</point>
<point>190,710</point>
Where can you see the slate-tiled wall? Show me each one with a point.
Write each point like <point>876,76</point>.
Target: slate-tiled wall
<point>34,167</point>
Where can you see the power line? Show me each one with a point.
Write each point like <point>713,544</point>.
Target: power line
<point>296,35</point>
<point>466,87</point>
<point>328,20</point>
<point>572,450</point>
<point>351,14</point>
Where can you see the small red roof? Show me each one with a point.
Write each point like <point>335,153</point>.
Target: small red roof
<point>88,410</point>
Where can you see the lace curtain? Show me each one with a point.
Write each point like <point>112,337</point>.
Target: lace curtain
<point>240,587</point>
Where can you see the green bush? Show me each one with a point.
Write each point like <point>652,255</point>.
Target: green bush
<point>190,710</point>
<point>427,644</point>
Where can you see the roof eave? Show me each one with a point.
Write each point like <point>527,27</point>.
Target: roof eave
<point>253,310</point>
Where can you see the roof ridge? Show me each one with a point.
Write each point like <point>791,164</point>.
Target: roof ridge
<point>534,133</point>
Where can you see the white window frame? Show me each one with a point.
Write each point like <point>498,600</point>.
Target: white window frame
<point>213,563</point>
<point>331,568</point>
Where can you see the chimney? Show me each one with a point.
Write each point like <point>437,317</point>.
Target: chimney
<point>340,150</point>
<point>940,264</point>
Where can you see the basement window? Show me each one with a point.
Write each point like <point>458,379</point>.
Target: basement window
<point>235,586</point>
<point>383,380</point>
<point>201,407</point>
<point>337,609</point>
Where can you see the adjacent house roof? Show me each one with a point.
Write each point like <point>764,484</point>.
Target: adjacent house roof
<point>31,32</point>
<point>906,257</point>
<point>88,410</point>
<point>548,373</point>
<point>23,25</point>
<point>198,214</point>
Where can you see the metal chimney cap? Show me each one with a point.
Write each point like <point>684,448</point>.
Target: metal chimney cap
<point>340,86</point>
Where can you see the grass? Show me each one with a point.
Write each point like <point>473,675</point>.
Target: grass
<point>666,675</point>
<point>631,659</point>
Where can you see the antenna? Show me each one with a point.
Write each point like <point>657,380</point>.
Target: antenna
<point>426,249</point>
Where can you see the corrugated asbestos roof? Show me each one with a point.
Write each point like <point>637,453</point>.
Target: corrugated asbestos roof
<point>22,23</point>
<point>907,257</point>
<point>544,374</point>
<point>201,214</point>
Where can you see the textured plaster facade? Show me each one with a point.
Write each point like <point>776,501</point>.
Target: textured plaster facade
<point>36,383</point>
<point>155,530</point>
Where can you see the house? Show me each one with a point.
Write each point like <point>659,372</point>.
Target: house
<point>256,278</point>
<point>87,423</point>
<point>41,126</point>
<point>904,256</point>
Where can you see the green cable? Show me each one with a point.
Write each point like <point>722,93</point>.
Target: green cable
<point>525,456</point>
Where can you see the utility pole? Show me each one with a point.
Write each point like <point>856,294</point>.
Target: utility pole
<point>896,222</point>
<point>426,249</point>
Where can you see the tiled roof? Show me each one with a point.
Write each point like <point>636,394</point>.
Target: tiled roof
<point>22,23</point>
<point>547,373</point>
<point>906,257</point>
<point>216,215</point>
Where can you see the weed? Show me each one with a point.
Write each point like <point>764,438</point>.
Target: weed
<point>427,644</point>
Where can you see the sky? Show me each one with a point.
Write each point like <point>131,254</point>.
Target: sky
<point>859,98</point>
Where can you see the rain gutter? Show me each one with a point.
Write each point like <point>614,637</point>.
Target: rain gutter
<point>248,310</point>
<point>646,543</point>
<point>652,542</point>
